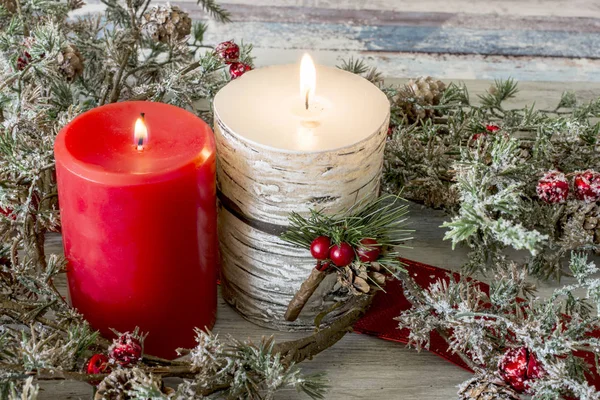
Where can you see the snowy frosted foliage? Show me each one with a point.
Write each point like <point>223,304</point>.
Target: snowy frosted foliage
<point>487,178</point>
<point>482,327</point>
<point>251,371</point>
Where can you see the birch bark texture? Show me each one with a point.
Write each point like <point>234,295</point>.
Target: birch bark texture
<point>259,186</point>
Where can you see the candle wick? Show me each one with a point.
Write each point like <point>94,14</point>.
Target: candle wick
<point>140,144</point>
<point>306,100</point>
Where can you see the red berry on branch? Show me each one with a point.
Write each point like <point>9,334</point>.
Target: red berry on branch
<point>513,368</point>
<point>534,368</point>
<point>587,186</point>
<point>126,349</point>
<point>518,366</point>
<point>342,254</point>
<point>98,364</point>
<point>319,248</point>
<point>368,250</point>
<point>323,266</point>
<point>238,69</point>
<point>479,136</point>
<point>492,128</point>
<point>228,52</point>
<point>23,60</point>
<point>553,187</point>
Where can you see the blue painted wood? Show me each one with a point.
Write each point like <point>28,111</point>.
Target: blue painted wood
<point>478,41</point>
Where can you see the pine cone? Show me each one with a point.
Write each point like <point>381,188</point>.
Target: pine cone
<point>417,94</point>
<point>358,279</point>
<point>9,5</point>
<point>70,62</point>
<point>580,224</point>
<point>116,385</point>
<point>166,22</point>
<point>481,388</point>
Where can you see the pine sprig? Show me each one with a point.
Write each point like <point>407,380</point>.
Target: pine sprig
<point>215,10</point>
<point>383,219</point>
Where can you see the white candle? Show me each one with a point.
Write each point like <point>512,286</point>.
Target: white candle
<point>276,156</point>
<point>267,107</point>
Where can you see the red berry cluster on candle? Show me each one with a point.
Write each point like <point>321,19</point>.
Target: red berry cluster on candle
<point>518,366</point>
<point>238,69</point>
<point>344,254</point>
<point>98,364</point>
<point>553,187</point>
<point>126,350</point>
<point>228,52</point>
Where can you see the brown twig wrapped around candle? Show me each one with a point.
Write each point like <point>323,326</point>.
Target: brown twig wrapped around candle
<point>306,290</point>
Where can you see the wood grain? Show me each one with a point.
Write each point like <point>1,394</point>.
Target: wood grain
<point>360,366</point>
<point>541,40</point>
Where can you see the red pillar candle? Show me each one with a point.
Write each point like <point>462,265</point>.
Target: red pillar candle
<point>139,221</point>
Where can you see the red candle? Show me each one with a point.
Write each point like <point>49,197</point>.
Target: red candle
<point>139,221</point>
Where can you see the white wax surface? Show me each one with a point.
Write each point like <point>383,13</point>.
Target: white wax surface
<point>264,106</point>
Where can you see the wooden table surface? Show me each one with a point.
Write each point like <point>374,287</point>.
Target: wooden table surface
<point>359,366</point>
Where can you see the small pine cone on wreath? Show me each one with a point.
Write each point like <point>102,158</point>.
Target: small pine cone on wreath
<point>9,5</point>
<point>70,62</point>
<point>418,94</point>
<point>119,382</point>
<point>166,22</point>
<point>481,388</point>
<point>359,280</point>
<point>580,224</point>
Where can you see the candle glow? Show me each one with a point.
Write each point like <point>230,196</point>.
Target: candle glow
<point>140,133</point>
<point>308,79</point>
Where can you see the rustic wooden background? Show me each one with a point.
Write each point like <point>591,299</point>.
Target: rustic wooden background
<point>551,45</point>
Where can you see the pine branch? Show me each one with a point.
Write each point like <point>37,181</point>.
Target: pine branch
<point>215,10</point>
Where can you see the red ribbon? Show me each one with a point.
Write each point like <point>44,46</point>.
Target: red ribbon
<point>379,320</point>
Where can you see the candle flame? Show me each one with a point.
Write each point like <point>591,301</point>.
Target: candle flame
<point>140,133</point>
<point>308,79</point>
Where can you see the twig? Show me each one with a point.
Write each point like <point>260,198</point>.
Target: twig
<point>295,351</point>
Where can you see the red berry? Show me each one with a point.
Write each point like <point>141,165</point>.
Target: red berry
<point>126,349</point>
<point>228,52</point>
<point>534,368</point>
<point>319,248</point>
<point>323,266</point>
<point>553,187</point>
<point>518,366</point>
<point>477,136</point>
<point>492,128</point>
<point>369,250</point>
<point>342,254</point>
<point>513,368</point>
<point>23,60</point>
<point>587,186</point>
<point>238,69</point>
<point>98,364</point>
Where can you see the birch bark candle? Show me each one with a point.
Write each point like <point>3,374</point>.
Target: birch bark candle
<point>290,138</point>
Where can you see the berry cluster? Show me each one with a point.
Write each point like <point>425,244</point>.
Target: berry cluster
<point>518,366</point>
<point>126,351</point>
<point>553,187</point>
<point>343,254</point>
<point>489,128</point>
<point>229,53</point>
